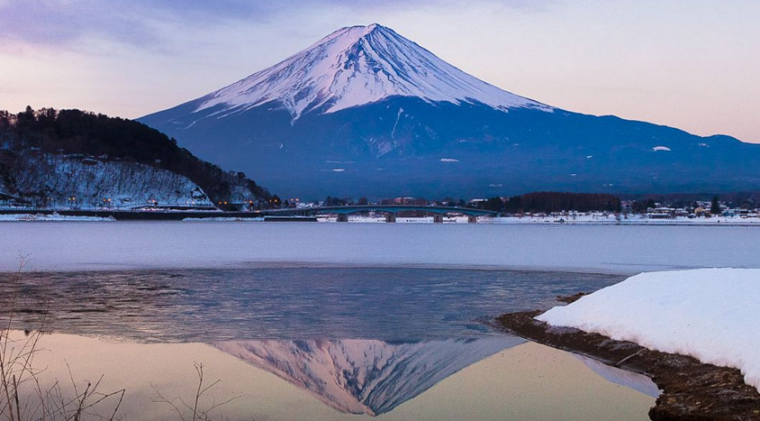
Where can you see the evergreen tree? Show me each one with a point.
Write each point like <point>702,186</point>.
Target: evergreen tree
<point>494,204</point>
<point>715,206</point>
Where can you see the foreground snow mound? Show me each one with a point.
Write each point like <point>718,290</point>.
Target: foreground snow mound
<point>709,314</point>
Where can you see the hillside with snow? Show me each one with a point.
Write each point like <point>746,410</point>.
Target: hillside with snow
<point>55,181</point>
<point>73,159</point>
<point>367,112</point>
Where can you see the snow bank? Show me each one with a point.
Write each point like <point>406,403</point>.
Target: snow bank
<point>223,219</point>
<point>709,314</point>
<point>20,217</point>
<point>611,219</point>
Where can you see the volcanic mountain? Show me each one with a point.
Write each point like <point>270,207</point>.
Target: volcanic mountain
<point>365,111</point>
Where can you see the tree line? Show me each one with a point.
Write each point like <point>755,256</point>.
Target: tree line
<point>547,202</point>
<point>79,132</point>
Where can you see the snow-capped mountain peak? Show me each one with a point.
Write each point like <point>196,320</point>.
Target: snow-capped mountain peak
<point>355,66</point>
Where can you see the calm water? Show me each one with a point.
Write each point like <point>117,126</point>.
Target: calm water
<point>333,322</point>
<point>334,343</point>
<point>390,304</point>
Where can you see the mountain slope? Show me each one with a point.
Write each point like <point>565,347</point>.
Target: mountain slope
<point>367,112</point>
<point>49,180</point>
<point>71,158</point>
<point>356,66</point>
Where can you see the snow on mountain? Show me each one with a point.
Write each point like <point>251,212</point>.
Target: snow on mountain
<point>355,66</point>
<point>365,376</point>
<point>403,122</point>
<point>49,180</point>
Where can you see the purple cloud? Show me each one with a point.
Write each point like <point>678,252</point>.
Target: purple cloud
<point>62,22</point>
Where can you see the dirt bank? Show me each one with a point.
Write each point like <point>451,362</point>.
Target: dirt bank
<point>691,390</point>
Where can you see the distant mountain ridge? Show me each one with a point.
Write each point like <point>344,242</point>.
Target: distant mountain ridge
<point>71,158</point>
<point>365,111</point>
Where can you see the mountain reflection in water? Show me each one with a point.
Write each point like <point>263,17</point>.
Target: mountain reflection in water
<point>334,380</point>
<point>302,343</point>
<point>365,376</point>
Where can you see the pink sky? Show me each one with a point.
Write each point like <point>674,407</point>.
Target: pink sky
<point>689,64</point>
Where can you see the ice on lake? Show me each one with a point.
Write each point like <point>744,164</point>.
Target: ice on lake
<point>73,246</point>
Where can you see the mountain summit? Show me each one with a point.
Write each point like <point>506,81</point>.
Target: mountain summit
<point>355,66</point>
<point>367,112</point>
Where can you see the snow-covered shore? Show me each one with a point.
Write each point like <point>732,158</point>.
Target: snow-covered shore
<point>709,314</point>
<point>54,217</point>
<point>611,219</point>
<point>582,219</point>
<point>578,219</point>
<point>223,219</point>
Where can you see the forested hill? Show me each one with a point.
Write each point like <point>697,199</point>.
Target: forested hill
<point>83,136</point>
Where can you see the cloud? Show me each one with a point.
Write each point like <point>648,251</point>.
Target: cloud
<point>138,22</point>
<point>143,23</point>
<point>51,22</point>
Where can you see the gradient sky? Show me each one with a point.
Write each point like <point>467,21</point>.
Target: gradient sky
<point>691,64</point>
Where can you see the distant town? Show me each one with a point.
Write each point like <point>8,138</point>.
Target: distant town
<point>559,207</point>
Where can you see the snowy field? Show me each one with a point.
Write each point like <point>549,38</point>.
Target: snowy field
<point>361,219</point>
<point>709,314</point>
<point>590,219</point>
<point>631,220</point>
<point>26,217</point>
<point>68,246</point>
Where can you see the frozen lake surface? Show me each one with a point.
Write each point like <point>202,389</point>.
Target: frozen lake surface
<point>334,321</point>
<point>74,246</point>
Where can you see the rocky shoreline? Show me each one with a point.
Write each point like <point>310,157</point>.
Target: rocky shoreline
<point>691,390</point>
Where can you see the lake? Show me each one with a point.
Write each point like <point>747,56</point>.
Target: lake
<point>67,246</point>
<point>332,321</point>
